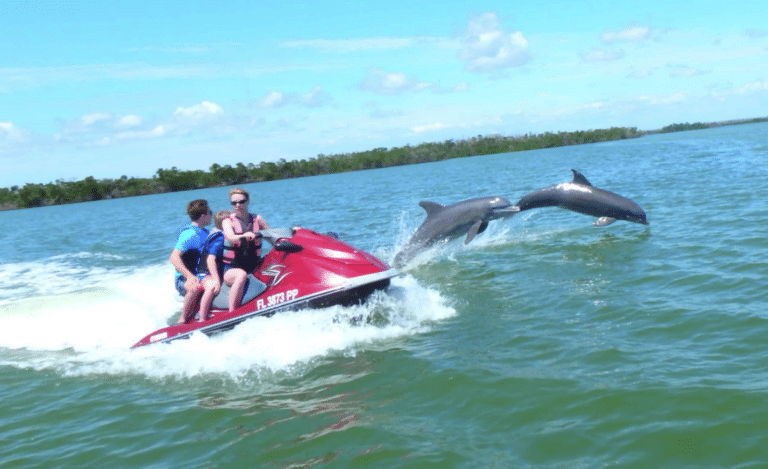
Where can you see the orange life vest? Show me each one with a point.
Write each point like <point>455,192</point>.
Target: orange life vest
<point>242,254</point>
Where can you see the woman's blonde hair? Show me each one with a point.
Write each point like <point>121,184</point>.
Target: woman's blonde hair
<point>241,191</point>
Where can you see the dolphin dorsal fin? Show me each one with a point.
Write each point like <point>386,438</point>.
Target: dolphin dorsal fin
<point>431,207</point>
<point>579,178</point>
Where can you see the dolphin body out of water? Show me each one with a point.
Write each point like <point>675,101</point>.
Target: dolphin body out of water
<point>452,221</point>
<point>582,197</point>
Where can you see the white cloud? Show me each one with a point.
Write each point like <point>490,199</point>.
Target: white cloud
<point>756,33</point>
<point>99,125</point>
<point>382,82</point>
<point>379,113</point>
<point>580,108</point>
<point>438,126</point>
<point>747,89</point>
<point>128,121</point>
<point>429,127</point>
<point>630,33</point>
<point>10,136</point>
<point>316,97</point>
<point>489,48</point>
<point>10,132</point>
<point>182,49</point>
<point>102,129</point>
<point>199,111</point>
<point>641,72</point>
<point>602,55</point>
<point>273,99</point>
<point>90,119</point>
<point>158,131</point>
<point>663,100</point>
<point>461,87</point>
<point>683,71</point>
<point>751,88</point>
<point>354,45</point>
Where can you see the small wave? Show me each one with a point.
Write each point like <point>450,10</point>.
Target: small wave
<point>55,275</point>
<point>91,255</point>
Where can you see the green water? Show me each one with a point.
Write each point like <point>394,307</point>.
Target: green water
<point>546,342</point>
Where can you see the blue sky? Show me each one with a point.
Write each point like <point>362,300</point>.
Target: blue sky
<point>107,89</point>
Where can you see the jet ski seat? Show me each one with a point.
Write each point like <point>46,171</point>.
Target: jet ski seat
<point>253,288</point>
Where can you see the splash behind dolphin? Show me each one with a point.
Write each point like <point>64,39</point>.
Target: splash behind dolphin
<point>446,222</point>
<point>582,197</point>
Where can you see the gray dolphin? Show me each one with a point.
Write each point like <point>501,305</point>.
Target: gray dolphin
<point>582,197</point>
<point>452,221</point>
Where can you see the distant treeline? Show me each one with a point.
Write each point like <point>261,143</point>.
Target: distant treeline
<point>174,179</point>
<point>708,125</point>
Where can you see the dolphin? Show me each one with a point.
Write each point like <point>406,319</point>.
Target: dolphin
<point>582,197</point>
<point>452,221</point>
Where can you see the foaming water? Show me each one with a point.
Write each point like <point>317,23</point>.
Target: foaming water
<point>90,332</point>
<point>83,308</point>
<point>54,275</point>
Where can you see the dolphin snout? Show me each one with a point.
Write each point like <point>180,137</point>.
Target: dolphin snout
<point>506,212</point>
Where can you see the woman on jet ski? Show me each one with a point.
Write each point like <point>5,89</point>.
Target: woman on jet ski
<point>241,230</point>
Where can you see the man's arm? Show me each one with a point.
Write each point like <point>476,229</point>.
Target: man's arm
<point>175,259</point>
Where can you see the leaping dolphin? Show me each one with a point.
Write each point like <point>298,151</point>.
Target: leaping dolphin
<point>582,197</point>
<point>442,223</point>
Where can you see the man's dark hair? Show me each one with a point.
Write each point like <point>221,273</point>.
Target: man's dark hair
<point>197,208</point>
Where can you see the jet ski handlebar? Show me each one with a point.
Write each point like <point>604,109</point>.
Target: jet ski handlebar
<point>272,235</point>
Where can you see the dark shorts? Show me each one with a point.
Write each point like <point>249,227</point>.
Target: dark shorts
<point>180,286</point>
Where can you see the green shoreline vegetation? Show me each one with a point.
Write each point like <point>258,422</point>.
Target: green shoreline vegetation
<point>174,179</point>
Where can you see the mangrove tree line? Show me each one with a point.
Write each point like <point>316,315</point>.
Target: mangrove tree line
<point>175,179</point>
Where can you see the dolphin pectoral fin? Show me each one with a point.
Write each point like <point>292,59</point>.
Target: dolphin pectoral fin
<point>579,178</point>
<point>478,227</point>
<point>604,221</point>
<point>431,207</point>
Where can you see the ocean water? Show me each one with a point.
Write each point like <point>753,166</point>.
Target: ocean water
<point>546,342</point>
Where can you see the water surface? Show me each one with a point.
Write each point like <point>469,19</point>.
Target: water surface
<point>546,342</point>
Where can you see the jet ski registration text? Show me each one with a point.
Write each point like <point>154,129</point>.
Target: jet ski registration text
<point>277,298</point>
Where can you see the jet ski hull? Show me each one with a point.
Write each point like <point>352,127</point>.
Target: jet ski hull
<point>311,270</point>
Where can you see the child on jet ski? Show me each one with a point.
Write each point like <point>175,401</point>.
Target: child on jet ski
<point>212,263</point>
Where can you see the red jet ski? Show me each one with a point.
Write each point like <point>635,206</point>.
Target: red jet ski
<point>304,269</point>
